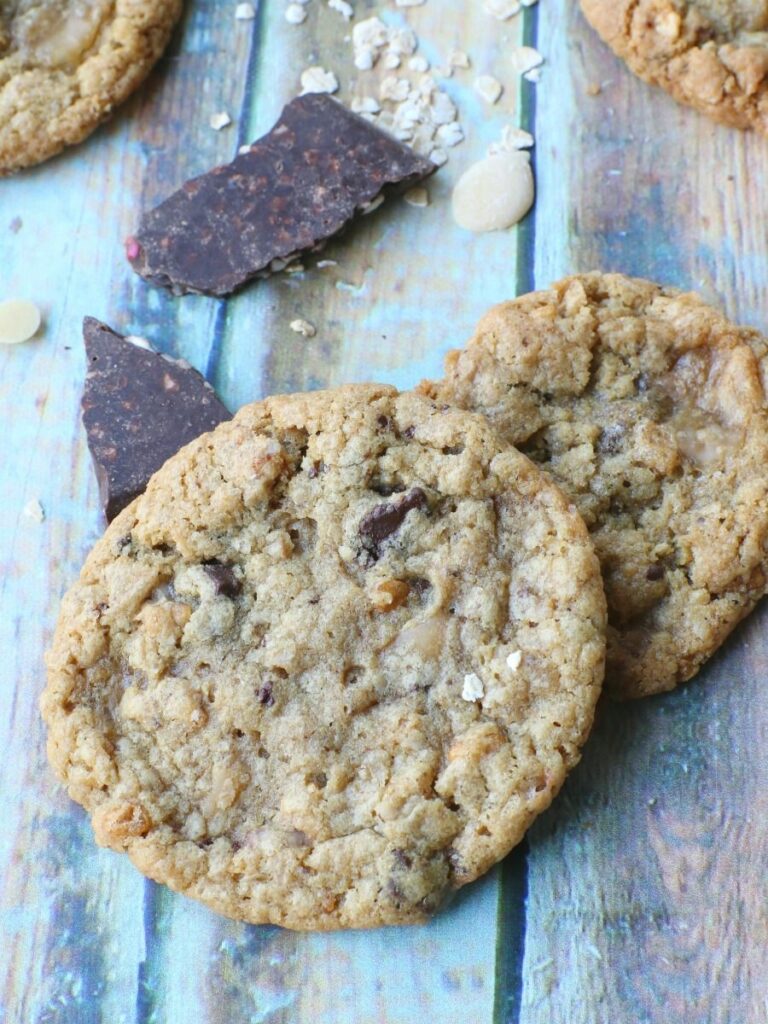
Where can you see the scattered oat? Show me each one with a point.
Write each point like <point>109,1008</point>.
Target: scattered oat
<point>139,342</point>
<point>345,10</point>
<point>489,88</point>
<point>365,105</point>
<point>513,660</point>
<point>438,157</point>
<point>322,264</point>
<point>501,9</point>
<point>34,510</point>
<point>373,205</point>
<point>244,149</point>
<point>593,89</point>
<point>19,321</point>
<point>245,12</point>
<point>450,134</point>
<point>317,79</point>
<point>295,268</point>
<point>473,688</point>
<point>417,196</point>
<point>418,63</point>
<point>219,120</point>
<point>295,14</point>
<point>409,3</point>
<point>395,89</point>
<point>512,138</point>
<point>525,59</point>
<point>534,75</point>
<point>494,193</point>
<point>458,59</point>
<point>303,327</point>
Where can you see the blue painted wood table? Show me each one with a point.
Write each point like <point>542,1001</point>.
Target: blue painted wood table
<point>640,897</point>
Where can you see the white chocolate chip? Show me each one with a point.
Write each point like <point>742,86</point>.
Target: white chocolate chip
<point>295,14</point>
<point>418,63</point>
<point>34,510</point>
<point>494,193</point>
<point>317,79</point>
<point>489,88</point>
<point>473,688</point>
<point>19,321</point>
<point>139,342</point>
<point>450,134</point>
<point>245,12</point>
<point>303,327</point>
<point>417,196</point>
<point>438,157</point>
<point>409,3</point>
<point>513,660</point>
<point>374,204</point>
<point>220,120</point>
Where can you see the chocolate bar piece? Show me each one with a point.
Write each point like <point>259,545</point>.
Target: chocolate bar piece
<point>139,407</point>
<point>294,189</point>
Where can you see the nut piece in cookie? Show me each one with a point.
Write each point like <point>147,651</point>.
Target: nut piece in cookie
<point>648,408</point>
<point>258,687</point>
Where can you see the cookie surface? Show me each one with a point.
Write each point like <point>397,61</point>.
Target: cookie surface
<point>65,64</point>
<point>708,54</point>
<point>332,663</point>
<point>648,408</point>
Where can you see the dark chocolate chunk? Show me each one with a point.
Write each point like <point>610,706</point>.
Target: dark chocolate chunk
<point>265,695</point>
<point>289,193</point>
<point>139,407</point>
<point>384,520</point>
<point>654,573</point>
<point>225,583</point>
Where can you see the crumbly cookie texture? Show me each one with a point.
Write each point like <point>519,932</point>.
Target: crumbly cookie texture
<point>65,64</point>
<point>648,408</point>
<point>332,663</point>
<point>709,54</point>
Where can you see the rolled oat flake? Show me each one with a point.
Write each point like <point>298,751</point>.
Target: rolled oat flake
<point>19,321</point>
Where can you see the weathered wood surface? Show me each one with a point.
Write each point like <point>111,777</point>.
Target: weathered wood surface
<point>645,881</point>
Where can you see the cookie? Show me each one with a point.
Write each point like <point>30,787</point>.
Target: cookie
<point>648,408</point>
<point>65,64</point>
<point>708,54</point>
<point>332,663</point>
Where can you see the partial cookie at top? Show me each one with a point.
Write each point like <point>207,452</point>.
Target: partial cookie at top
<point>708,54</point>
<point>332,663</point>
<point>648,408</point>
<point>65,64</point>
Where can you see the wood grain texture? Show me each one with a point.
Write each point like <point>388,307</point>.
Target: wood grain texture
<point>647,878</point>
<point>87,939</point>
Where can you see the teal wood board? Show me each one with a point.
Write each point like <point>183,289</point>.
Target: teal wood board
<point>641,895</point>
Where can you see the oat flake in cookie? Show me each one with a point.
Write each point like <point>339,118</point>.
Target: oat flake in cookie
<point>648,407</point>
<point>709,54</point>
<point>332,663</point>
<point>65,64</point>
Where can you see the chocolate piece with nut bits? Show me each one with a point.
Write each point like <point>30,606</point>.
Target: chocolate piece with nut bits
<point>139,408</point>
<point>293,190</point>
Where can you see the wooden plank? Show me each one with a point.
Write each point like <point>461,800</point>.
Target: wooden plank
<point>646,879</point>
<point>90,940</point>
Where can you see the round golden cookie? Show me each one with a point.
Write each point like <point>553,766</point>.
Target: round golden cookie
<point>708,54</point>
<point>648,408</point>
<point>332,663</point>
<point>65,64</point>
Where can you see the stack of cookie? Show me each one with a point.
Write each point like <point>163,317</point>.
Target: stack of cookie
<point>344,649</point>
